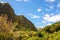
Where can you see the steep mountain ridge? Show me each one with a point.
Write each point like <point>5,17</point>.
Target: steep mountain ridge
<point>23,22</point>
<point>6,9</point>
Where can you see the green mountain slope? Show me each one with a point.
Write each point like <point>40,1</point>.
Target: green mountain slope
<point>53,27</point>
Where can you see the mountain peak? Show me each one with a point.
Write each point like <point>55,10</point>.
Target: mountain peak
<point>6,9</point>
<point>23,22</point>
<point>3,2</point>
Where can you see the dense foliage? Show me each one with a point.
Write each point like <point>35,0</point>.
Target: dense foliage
<point>22,28</point>
<point>8,31</point>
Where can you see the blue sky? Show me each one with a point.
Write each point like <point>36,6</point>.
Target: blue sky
<point>39,12</point>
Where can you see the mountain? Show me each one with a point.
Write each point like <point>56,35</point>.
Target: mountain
<point>53,27</point>
<point>6,9</point>
<point>22,22</point>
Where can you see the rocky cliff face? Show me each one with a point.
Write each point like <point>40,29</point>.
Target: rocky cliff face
<point>23,22</point>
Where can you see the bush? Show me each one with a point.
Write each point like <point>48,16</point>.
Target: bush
<point>34,38</point>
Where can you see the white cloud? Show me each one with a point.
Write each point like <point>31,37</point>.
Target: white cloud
<point>34,16</point>
<point>57,11</point>
<point>44,22</point>
<point>54,18</point>
<point>2,2</point>
<point>47,9</point>
<point>49,0</point>
<point>52,14</point>
<point>46,17</point>
<point>39,9</point>
<point>49,24</point>
<point>26,0</point>
<point>58,5</point>
<point>23,0</point>
<point>18,0</point>
<point>51,7</point>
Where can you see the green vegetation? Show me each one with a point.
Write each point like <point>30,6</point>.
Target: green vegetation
<point>10,31</point>
<point>20,28</point>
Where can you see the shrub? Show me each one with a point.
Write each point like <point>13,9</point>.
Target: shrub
<point>34,38</point>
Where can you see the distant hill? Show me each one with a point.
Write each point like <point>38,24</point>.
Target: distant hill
<point>52,28</point>
<point>22,22</point>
